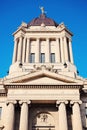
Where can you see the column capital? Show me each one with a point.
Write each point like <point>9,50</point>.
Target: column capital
<point>76,101</point>
<point>27,38</point>
<point>58,102</point>
<point>11,101</point>
<point>16,39</point>
<point>24,101</point>
<point>70,40</point>
<point>38,39</point>
<point>1,127</point>
<point>57,39</point>
<point>48,38</point>
<point>21,36</point>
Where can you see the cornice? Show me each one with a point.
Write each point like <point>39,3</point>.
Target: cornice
<point>3,94</point>
<point>10,86</point>
<point>48,31</point>
<point>42,30</point>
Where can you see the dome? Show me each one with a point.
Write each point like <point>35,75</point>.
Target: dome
<point>42,19</point>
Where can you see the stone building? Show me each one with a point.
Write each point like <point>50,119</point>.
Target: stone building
<point>43,90</point>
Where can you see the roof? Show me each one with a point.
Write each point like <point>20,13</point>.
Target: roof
<point>42,19</point>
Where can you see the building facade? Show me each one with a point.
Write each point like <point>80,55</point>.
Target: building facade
<point>43,90</point>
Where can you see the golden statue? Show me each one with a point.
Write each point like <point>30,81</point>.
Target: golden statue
<point>42,10</point>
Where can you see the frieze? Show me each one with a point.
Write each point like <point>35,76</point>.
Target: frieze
<point>42,97</point>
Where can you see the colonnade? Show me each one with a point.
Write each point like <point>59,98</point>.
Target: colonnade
<point>63,123</point>
<point>22,50</point>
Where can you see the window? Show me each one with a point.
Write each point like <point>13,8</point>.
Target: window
<point>0,112</point>
<point>42,58</point>
<point>32,58</point>
<point>52,58</point>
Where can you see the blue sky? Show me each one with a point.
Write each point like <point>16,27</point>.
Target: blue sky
<point>72,12</point>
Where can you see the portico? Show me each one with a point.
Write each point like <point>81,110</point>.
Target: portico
<point>62,122</point>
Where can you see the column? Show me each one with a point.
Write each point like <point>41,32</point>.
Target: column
<point>28,50</point>
<point>57,51</point>
<point>20,50</point>
<point>24,51</point>
<point>62,50</point>
<point>37,58</point>
<point>24,115</point>
<point>77,123</point>
<point>10,116</point>
<point>62,115</point>
<point>65,49</point>
<point>15,51</point>
<point>71,54</point>
<point>47,55</point>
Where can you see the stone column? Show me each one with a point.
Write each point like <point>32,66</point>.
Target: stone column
<point>24,51</point>
<point>15,51</point>
<point>71,54</point>
<point>10,115</point>
<point>65,49</point>
<point>57,51</point>
<point>24,115</point>
<point>62,50</point>
<point>47,51</point>
<point>20,50</point>
<point>37,58</point>
<point>28,50</point>
<point>62,115</point>
<point>77,123</point>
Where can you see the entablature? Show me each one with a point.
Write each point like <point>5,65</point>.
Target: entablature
<point>43,29</point>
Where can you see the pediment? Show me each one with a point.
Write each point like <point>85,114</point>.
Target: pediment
<point>44,77</point>
<point>43,80</point>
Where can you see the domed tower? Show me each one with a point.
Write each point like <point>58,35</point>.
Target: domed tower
<point>43,43</point>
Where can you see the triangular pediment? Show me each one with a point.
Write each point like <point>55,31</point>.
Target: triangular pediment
<point>44,77</point>
<point>43,80</point>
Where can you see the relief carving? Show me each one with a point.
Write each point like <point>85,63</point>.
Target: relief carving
<point>43,119</point>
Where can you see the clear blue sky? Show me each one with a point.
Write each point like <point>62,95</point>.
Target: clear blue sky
<point>72,12</point>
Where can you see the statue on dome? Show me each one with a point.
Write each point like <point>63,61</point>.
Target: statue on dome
<point>42,10</point>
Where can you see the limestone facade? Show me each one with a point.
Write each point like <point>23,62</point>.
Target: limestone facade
<point>43,90</point>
